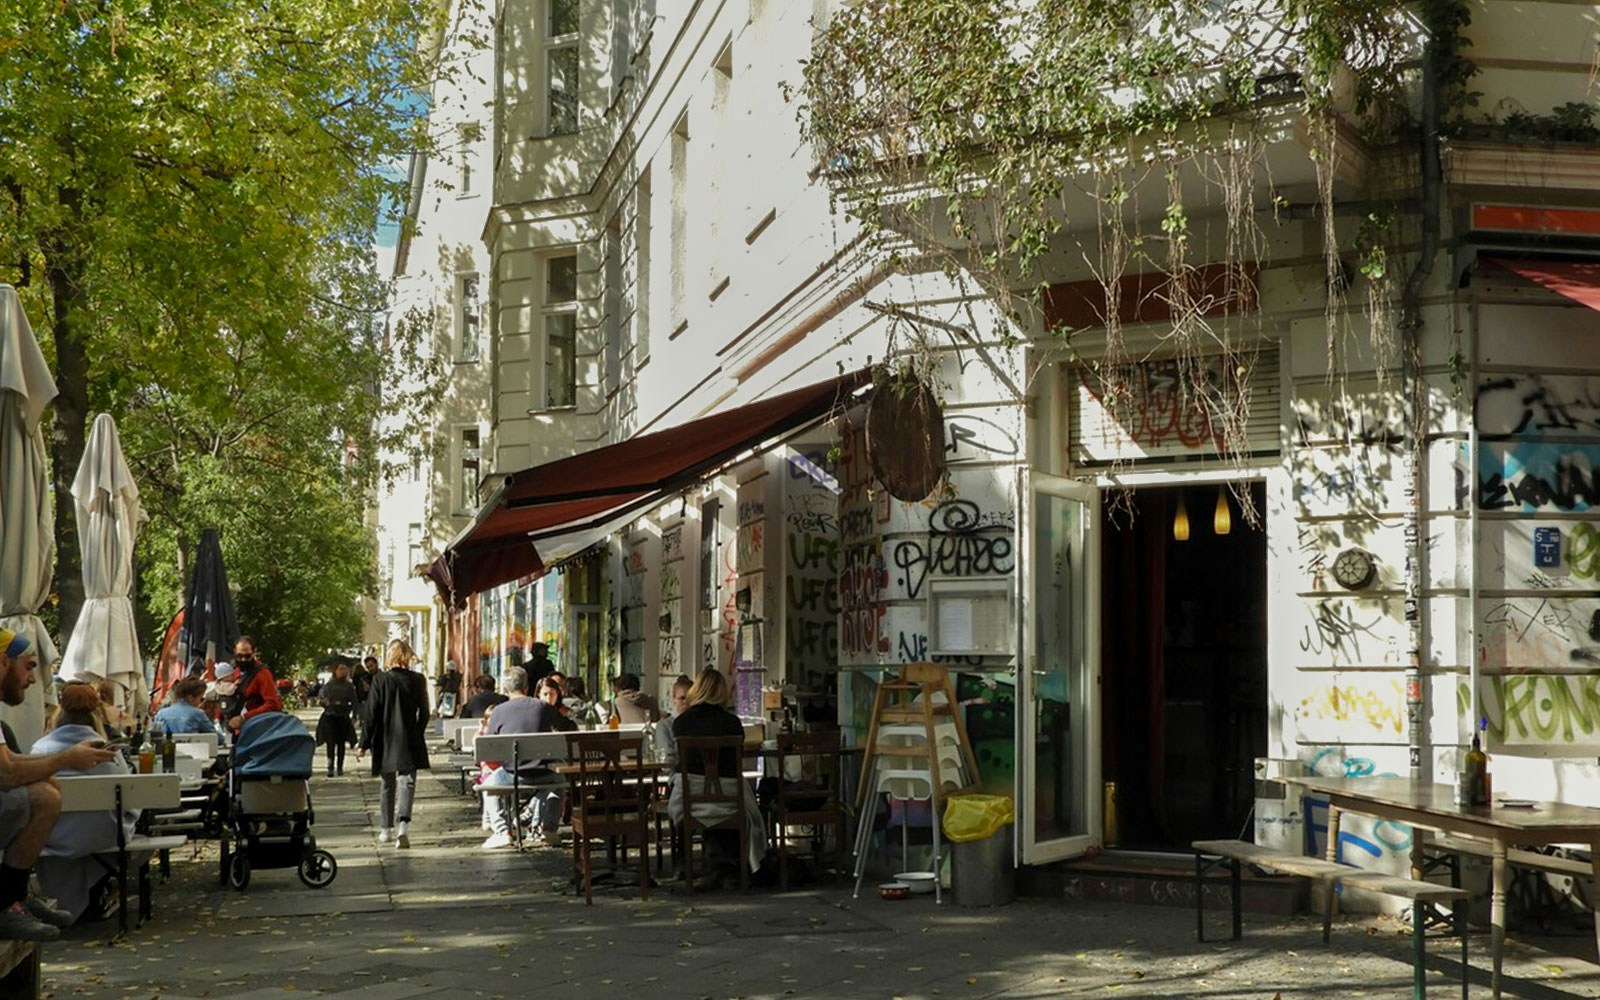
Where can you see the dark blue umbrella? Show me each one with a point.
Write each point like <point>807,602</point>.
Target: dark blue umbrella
<point>210,627</point>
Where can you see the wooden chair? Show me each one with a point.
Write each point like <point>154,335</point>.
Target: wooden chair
<point>610,804</point>
<point>807,803</point>
<point>724,787</point>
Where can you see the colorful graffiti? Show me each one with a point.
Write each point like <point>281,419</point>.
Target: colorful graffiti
<point>1536,475</point>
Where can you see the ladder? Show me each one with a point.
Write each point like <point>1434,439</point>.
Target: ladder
<point>907,709</point>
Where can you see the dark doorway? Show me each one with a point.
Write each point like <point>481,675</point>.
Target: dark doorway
<point>1183,665</point>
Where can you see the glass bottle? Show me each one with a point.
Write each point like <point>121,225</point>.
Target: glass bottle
<point>1477,768</point>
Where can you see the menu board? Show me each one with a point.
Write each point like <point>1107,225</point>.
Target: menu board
<point>971,618</point>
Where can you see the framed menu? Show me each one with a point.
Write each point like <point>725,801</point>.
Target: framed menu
<point>972,617</point>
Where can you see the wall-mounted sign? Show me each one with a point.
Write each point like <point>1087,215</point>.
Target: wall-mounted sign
<point>971,617</point>
<point>1547,548</point>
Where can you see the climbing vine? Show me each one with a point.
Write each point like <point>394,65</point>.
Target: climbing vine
<point>1011,140</point>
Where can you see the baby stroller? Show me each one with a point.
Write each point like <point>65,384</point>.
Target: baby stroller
<point>269,804</point>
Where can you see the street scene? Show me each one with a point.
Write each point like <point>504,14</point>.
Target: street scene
<point>862,497</point>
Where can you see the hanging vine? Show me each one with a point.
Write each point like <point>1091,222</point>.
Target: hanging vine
<point>1009,137</point>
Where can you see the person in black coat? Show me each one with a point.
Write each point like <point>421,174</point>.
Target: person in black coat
<point>396,712</point>
<point>334,729</point>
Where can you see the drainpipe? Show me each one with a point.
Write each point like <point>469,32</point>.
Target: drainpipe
<point>1416,395</point>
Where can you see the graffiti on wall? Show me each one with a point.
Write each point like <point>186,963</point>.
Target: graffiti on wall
<point>970,438</point>
<point>1540,633</point>
<point>1345,632</point>
<point>670,624</point>
<point>811,568</point>
<point>1538,475</point>
<point>1156,410</point>
<point>1364,841</point>
<point>1374,708</point>
<point>1523,404</point>
<point>632,606</point>
<point>962,541</point>
<point>1537,709</point>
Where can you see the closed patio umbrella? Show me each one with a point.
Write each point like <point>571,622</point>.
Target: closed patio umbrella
<point>103,643</point>
<point>209,624</point>
<point>27,524</point>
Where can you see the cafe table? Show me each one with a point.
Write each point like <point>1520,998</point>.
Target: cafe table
<point>1432,806</point>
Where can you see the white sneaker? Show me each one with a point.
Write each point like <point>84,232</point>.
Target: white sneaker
<point>497,841</point>
<point>403,841</point>
<point>550,838</point>
<point>384,835</point>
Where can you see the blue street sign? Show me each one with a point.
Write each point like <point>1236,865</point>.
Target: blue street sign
<point>1547,548</point>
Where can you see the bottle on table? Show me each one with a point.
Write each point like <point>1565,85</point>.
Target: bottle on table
<point>1477,774</point>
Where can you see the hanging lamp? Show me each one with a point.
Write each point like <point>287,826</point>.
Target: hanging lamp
<point>1222,520</point>
<point>1180,522</point>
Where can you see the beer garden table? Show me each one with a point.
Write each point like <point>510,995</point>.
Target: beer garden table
<point>1432,806</point>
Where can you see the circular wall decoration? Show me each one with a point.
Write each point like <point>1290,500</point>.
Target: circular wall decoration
<point>1354,569</point>
<point>905,439</point>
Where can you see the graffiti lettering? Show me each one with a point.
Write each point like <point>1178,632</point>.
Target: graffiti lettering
<point>813,512</point>
<point>1538,709</point>
<point>813,639</point>
<point>970,438</point>
<point>1521,404</point>
<point>1335,631</point>
<point>1379,710</point>
<point>812,552</point>
<point>913,648</point>
<point>751,510</point>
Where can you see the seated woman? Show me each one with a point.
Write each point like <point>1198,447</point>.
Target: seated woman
<point>184,715</point>
<point>709,714</point>
<point>66,869</point>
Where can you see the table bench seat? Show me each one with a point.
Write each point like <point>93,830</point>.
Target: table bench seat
<point>1419,892</point>
<point>19,970</point>
<point>1515,855</point>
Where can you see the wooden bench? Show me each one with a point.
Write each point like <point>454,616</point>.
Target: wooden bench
<point>1421,894</point>
<point>117,793</point>
<point>19,970</point>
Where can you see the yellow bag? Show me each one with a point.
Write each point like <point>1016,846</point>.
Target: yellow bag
<point>974,817</point>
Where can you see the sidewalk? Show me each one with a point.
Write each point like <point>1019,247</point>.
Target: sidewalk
<point>446,920</point>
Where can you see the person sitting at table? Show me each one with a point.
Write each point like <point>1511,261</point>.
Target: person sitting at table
<point>117,722</point>
<point>630,706</point>
<point>709,714</point>
<point>666,746</point>
<point>523,714</point>
<point>67,869</point>
<point>184,715</point>
<point>484,697</point>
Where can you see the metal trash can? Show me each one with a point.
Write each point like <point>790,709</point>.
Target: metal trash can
<point>981,873</point>
<point>979,830</point>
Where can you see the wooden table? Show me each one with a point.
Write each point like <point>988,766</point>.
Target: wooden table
<point>1432,806</point>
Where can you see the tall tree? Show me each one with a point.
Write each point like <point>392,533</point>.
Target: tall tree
<point>178,181</point>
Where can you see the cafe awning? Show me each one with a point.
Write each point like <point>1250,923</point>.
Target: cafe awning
<point>1578,280</point>
<point>544,513</point>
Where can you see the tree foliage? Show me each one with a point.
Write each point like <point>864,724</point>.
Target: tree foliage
<point>186,190</point>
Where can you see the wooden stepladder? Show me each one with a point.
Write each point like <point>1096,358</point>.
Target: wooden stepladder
<point>910,726</point>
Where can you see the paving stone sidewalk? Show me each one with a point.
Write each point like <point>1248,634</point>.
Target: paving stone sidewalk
<point>446,920</point>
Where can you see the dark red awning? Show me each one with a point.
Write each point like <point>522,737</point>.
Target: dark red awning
<point>1578,280</point>
<point>588,493</point>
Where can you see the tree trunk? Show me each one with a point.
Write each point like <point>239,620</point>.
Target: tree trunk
<point>70,429</point>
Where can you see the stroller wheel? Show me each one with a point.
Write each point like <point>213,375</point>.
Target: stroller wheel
<point>239,871</point>
<point>318,868</point>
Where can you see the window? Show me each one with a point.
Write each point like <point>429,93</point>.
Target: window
<point>471,468</point>
<point>469,319</point>
<point>561,67</point>
<point>413,547</point>
<point>616,320</point>
<point>680,217</point>
<point>561,331</point>
<point>641,271</point>
<point>467,137</point>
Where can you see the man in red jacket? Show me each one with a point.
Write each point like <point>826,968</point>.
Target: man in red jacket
<point>256,684</point>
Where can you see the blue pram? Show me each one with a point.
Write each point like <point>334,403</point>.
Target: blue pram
<point>269,804</point>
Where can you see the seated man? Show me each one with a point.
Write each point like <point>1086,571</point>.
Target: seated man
<point>522,714</point>
<point>629,705</point>
<point>30,803</point>
<point>484,697</point>
<point>184,715</point>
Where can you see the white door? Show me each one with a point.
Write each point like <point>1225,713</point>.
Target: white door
<point>1058,742</point>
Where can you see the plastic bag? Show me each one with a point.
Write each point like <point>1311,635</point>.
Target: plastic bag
<point>974,817</point>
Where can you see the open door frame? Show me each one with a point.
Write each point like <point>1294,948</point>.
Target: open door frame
<point>1039,671</point>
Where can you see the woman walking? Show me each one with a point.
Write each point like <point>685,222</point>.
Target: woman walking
<point>334,729</point>
<point>397,720</point>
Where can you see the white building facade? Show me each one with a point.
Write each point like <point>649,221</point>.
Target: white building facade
<point>662,248</point>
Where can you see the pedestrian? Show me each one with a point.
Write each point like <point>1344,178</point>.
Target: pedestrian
<point>449,689</point>
<point>539,664</point>
<point>361,676</point>
<point>397,722</point>
<point>257,688</point>
<point>335,729</point>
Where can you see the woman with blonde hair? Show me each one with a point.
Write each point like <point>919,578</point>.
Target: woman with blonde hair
<point>396,733</point>
<point>710,714</point>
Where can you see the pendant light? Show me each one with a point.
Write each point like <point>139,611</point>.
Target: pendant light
<point>1180,522</point>
<point>1222,521</point>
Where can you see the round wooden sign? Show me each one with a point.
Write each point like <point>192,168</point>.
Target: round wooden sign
<point>905,439</point>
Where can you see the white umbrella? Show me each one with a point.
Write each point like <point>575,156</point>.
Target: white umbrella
<point>27,524</point>
<point>103,642</point>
